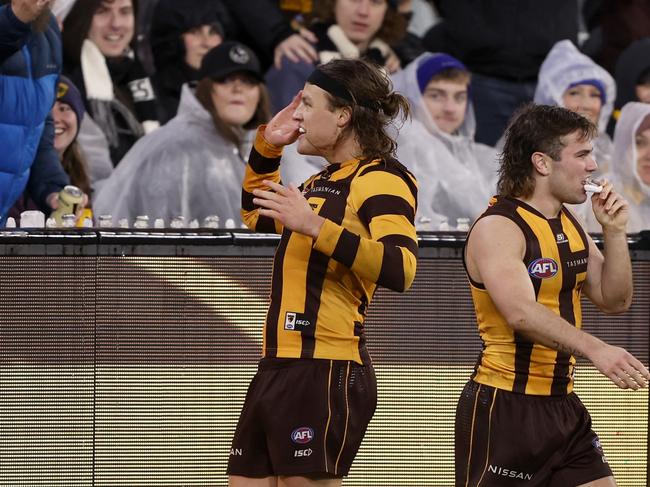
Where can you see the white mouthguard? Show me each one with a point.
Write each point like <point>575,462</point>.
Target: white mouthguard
<point>592,187</point>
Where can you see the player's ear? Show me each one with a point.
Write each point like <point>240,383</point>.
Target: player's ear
<point>541,162</point>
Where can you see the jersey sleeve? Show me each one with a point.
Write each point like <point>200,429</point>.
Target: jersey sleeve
<point>263,164</point>
<point>385,201</point>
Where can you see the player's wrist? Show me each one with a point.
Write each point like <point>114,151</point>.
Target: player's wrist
<point>315,225</point>
<point>615,231</point>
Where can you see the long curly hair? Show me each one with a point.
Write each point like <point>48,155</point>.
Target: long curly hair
<point>367,85</point>
<point>536,128</point>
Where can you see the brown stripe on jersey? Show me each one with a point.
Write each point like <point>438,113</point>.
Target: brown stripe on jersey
<point>401,241</point>
<point>273,315</point>
<point>523,351</point>
<point>385,204</point>
<point>265,224</point>
<point>261,164</point>
<point>247,200</point>
<point>346,248</point>
<point>333,209</point>
<point>392,270</point>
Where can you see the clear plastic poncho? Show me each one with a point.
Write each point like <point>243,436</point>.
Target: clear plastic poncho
<point>456,175</point>
<point>565,65</point>
<point>185,168</point>
<point>623,174</point>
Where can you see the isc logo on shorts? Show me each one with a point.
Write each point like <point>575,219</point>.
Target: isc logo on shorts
<point>543,268</point>
<point>302,435</point>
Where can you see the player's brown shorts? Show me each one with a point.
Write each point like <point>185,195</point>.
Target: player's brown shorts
<point>303,417</point>
<point>505,439</point>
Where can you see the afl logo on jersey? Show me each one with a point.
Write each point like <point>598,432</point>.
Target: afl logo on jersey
<point>302,435</point>
<point>543,268</point>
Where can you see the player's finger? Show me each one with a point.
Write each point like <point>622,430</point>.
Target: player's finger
<point>278,188</point>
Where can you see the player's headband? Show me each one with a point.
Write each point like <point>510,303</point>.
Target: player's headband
<point>335,88</point>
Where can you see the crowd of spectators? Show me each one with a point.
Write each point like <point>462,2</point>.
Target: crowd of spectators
<point>156,108</point>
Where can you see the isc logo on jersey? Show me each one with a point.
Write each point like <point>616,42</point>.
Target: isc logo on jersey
<point>303,435</point>
<point>543,268</point>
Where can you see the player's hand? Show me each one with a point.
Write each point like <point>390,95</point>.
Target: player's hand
<point>297,47</point>
<point>288,206</point>
<point>622,368</point>
<point>283,128</point>
<point>610,208</point>
<point>28,10</point>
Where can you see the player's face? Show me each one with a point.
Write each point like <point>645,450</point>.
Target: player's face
<point>569,174</point>
<point>642,141</point>
<point>585,100</point>
<point>319,122</point>
<point>446,102</point>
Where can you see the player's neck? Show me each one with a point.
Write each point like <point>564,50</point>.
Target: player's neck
<point>344,151</point>
<point>546,204</point>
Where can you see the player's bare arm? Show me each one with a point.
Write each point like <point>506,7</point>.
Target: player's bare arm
<point>494,257</point>
<point>609,276</point>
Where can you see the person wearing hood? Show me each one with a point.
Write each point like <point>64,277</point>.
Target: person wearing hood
<point>181,34</point>
<point>630,172</point>
<point>193,166</point>
<point>346,29</point>
<point>99,58</point>
<point>569,79</point>
<point>457,175</point>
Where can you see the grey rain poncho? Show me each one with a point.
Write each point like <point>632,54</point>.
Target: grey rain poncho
<point>185,168</point>
<point>623,174</point>
<point>456,175</point>
<point>565,65</point>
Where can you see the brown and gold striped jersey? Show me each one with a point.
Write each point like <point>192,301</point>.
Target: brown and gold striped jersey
<point>556,257</point>
<point>321,288</point>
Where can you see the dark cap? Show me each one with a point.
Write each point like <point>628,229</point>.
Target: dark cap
<point>67,92</point>
<point>228,58</point>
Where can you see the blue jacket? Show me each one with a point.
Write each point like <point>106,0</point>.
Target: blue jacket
<point>30,64</point>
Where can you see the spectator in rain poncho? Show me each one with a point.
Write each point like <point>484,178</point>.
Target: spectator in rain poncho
<point>570,79</point>
<point>630,168</point>
<point>457,175</point>
<point>193,166</point>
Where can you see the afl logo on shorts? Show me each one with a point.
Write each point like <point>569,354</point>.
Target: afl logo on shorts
<point>303,435</point>
<point>543,268</point>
